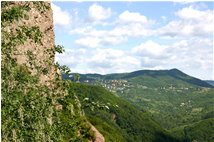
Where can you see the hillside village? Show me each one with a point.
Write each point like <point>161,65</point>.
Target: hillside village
<point>122,85</point>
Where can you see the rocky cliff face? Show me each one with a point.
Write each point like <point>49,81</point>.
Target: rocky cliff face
<point>39,55</point>
<point>31,85</point>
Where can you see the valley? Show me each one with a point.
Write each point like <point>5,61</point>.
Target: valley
<point>173,99</point>
<point>117,119</point>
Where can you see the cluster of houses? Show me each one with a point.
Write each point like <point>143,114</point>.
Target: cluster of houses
<point>111,85</point>
<point>122,85</point>
<point>115,85</point>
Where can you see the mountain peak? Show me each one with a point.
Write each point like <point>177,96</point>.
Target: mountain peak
<point>175,69</point>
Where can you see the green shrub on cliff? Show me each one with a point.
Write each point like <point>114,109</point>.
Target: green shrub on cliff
<point>30,110</point>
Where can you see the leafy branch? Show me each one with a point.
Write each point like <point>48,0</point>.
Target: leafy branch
<point>59,49</point>
<point>64,69</point>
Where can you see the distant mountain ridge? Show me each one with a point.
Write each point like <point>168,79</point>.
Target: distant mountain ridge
<point>175,73</point>
<point>211,82</point>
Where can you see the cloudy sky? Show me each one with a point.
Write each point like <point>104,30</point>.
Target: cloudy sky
<point>114,37</point>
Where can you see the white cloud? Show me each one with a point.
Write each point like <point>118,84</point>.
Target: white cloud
<point>94,38</point>
<point>191,13</point>
<point>95,42</point>
<point>112,60</point>
<point>113,40</point>
<point>192,23</point>
<point>98,60</point>
<point>97,12</point>
<point>92,42</point>
<point>60,17</point>
<point>70,57</point>
<point>131,30</point>
<point>151,54</point>
<point>89,31</point>
<point>149,48</point>
<point>194,56</point>
<point>132,17</point>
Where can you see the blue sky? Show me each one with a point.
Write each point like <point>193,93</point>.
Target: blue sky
<point>114,37</point>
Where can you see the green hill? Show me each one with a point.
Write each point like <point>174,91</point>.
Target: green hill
<point>174,98</point>
<point>173,73</point>
<point>115,118</point>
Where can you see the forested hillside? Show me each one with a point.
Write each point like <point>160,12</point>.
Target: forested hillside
<point>117,119</point>
<point>198,131</point>
<point>174,99</point>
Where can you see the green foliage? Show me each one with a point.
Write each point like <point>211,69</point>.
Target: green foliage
<point>28,113</point>
<point>59,49</point>
<point>199,131</point>
<point>24,109</point>
<point>24,114</point>
<point>13,14</point>
<point>76,77</point>
<point>64,69</point>
<point>111,132</point>
<point>120,121</point>
<point>45,71</point>
<point>10,40</point>
<point>31,59</point>
<point>29,108</point>
<point>31,32</point>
